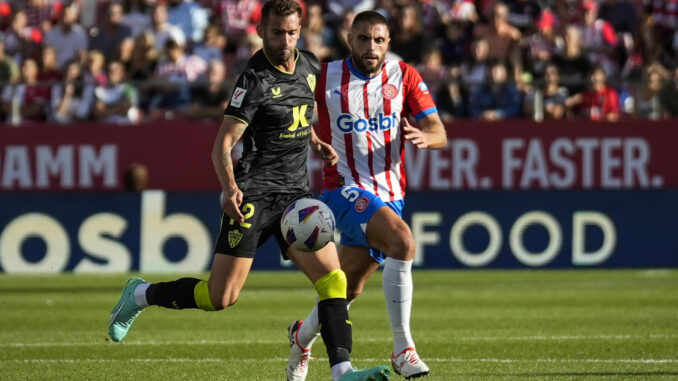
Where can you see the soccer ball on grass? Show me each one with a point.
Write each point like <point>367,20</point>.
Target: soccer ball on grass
<point>307,224</point>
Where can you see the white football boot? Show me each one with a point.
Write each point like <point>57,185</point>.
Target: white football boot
<point>408,364</point>
<point>297,364</point>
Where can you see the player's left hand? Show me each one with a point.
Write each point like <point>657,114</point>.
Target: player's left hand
<point>327,153</point>
<point>415,135</point>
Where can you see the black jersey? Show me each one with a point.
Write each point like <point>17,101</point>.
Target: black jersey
<point>277,106</point>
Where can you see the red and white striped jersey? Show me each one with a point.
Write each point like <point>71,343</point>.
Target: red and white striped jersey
<point>360,118</point>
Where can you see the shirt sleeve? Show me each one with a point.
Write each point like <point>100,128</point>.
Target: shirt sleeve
<point>246,99</point>
<point>609,35</point>
<point>418,100</point>
<point>612,102</point>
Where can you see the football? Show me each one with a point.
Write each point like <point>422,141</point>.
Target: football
<point>307,224</point>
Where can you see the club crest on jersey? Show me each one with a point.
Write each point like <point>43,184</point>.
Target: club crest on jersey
<point>311,81</point>
<point>234,238</point>
<point>361,204</point>
<point>389,91</point>
<point>238,96</point>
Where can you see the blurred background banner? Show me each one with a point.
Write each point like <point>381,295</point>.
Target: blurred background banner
<point>157,231</point>
<point>95,156</point>
<point>510,155</point>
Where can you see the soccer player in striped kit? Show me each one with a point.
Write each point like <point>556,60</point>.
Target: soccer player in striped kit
<point>364,103</point>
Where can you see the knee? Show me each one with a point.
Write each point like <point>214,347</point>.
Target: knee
<point>353,291</point>
<point>401,244</point>
<point>331,285</point>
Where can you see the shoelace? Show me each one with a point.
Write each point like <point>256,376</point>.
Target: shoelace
<point>304,359</point>
<point>408,357</point>
<point>411,357</point>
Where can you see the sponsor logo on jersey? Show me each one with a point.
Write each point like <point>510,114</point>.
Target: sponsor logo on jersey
<point>389,91</point>
<point>339,93</point>
<point>311,81</point>
<point>276,92</point>
<point>298,117</point>
<point>238,96</point>
<point>347,123</point>
<point>234,238</point>
<point>361,204</point>
<point>423,87</point>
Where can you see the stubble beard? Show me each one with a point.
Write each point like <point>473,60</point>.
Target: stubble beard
<point>364,69</point>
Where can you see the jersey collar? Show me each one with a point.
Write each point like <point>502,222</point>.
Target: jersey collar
<point>349,63</point>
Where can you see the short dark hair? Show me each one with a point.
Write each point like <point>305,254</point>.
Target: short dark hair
<point>281,8</point>
<point>370,17</point>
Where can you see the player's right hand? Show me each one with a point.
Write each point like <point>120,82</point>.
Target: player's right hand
<point>230,202</point>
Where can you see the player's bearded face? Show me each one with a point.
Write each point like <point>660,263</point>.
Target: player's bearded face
<point>369,43</point>
<point>280,35</point>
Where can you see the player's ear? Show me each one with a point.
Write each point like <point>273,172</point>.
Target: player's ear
<point>349,39</point>
<point>260,30</point>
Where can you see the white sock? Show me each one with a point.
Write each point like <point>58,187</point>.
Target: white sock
<point>397,284</point>
<point>340,369</point>
<point>140,294</point>
<point>310,328</point>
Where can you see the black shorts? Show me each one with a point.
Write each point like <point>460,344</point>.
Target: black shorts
<point>262,219</point>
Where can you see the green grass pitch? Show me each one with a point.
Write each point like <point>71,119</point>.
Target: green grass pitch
<point>468,325</point>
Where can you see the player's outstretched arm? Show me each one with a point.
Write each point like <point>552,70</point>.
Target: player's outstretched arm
<point>431,135</point>
<point>229,133</point>
<point>324,150</point>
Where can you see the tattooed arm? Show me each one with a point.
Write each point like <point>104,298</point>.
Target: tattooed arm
<point>230,132</point>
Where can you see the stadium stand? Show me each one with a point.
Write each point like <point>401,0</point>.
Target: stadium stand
<point>550,49</point>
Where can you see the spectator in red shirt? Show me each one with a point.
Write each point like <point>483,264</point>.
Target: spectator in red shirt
<point>599,102</point>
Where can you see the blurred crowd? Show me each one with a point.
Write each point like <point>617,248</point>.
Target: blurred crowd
<point>130,61</point>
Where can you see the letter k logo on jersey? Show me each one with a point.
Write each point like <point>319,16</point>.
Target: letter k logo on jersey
<point>299,115</point>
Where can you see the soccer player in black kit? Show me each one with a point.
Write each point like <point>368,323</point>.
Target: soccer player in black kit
<point>270,109</point>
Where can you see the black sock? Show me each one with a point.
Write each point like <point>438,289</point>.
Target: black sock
<point>177,294</point>
<point>335,329</point>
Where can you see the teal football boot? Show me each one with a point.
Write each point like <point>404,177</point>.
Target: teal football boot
<point>125,311</point>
